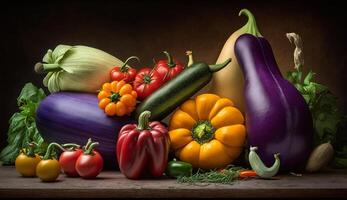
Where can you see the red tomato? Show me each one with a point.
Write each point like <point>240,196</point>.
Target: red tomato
<point>169,68</point>
<point>128,76</point>
<point>146,82</point>
<point>124,72</point>
<point>89,165</point>
<point>67,161</point>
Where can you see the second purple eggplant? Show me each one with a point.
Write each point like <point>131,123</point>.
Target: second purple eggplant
<point>278,119</point>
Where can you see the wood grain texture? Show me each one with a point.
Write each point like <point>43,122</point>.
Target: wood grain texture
<point>114,185</point>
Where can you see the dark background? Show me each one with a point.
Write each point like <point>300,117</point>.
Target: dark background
<point>145,28</point>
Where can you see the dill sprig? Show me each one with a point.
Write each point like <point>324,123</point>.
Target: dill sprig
<point>225,176</point>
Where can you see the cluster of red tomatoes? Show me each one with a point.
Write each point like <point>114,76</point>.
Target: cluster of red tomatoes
<point>147,80</point>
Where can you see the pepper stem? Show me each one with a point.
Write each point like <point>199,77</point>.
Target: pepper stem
<point>144,120</point>
<point>115,96</point>
<point>203,131</point>
<point>170,61</point>
<point>251,25</point>
<point>50,149</point>
<point>91,147</point>
<point>124,67</point>
<point>190,58</point>
<point>217,67</point>
<point>147,79</point>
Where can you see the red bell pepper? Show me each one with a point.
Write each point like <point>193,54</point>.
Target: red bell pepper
<point>169,68</point>
<point>146,82</point>
<point>143,148</point>
<point>124,72</point>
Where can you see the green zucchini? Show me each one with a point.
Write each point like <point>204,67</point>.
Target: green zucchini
<point>171,95</point>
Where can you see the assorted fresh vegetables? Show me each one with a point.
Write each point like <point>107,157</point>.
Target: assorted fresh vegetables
<point>22,129</point>
<point>68,117</point>
<point>94,95</point>
<point>167,98</point>
<point>207,132</point>
<point>117,98</point>
<point>277,115</point>
<point>143,148</point>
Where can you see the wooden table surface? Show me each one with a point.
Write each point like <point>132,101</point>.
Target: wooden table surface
<point>112,184</point>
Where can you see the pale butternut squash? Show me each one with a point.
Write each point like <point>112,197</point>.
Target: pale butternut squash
<point>229,82</point>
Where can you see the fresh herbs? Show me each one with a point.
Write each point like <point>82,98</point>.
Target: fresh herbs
<point>22,129</point>
<point>225,176</point>
<point>329,123</point>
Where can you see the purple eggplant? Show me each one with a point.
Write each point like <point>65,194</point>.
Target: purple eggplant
<point>278,119</point>
<point>66,117</point>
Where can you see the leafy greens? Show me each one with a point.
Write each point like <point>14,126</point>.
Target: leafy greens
<point>22,129</point>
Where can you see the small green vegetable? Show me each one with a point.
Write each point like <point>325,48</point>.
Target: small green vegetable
<point>259,167</point>
<point>22,129</point>
<point>178,168</point>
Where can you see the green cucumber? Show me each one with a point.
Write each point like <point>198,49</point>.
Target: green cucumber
<point>172,94</point>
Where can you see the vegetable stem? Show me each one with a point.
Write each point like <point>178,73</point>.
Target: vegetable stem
<point>170,61</point>
<point>91,147</point>
<point>31,151</point>
<point>217,67</point>
<point>124,67</point>
<point>251,25</point>
<point>89,142</point>
<point>71,146</point>
<point>144,120</point>
<point>190,58</point>
<point>50,149</point>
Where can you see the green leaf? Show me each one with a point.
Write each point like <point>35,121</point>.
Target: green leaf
<point>30,93</point>
<point>9,154</point>
<point>22,127</point>
<point>309,77</point>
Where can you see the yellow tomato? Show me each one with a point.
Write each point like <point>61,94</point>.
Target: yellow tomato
<point>48,170</point>
<point>26,165</point>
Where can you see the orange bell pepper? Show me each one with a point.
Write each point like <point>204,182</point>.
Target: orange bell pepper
<point>117,98</point>
<point>207,132</point>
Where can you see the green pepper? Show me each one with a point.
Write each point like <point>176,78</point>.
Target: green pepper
<point>177,169</point>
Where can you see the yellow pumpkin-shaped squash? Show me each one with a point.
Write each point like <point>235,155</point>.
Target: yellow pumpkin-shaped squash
<point>207,132</point>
